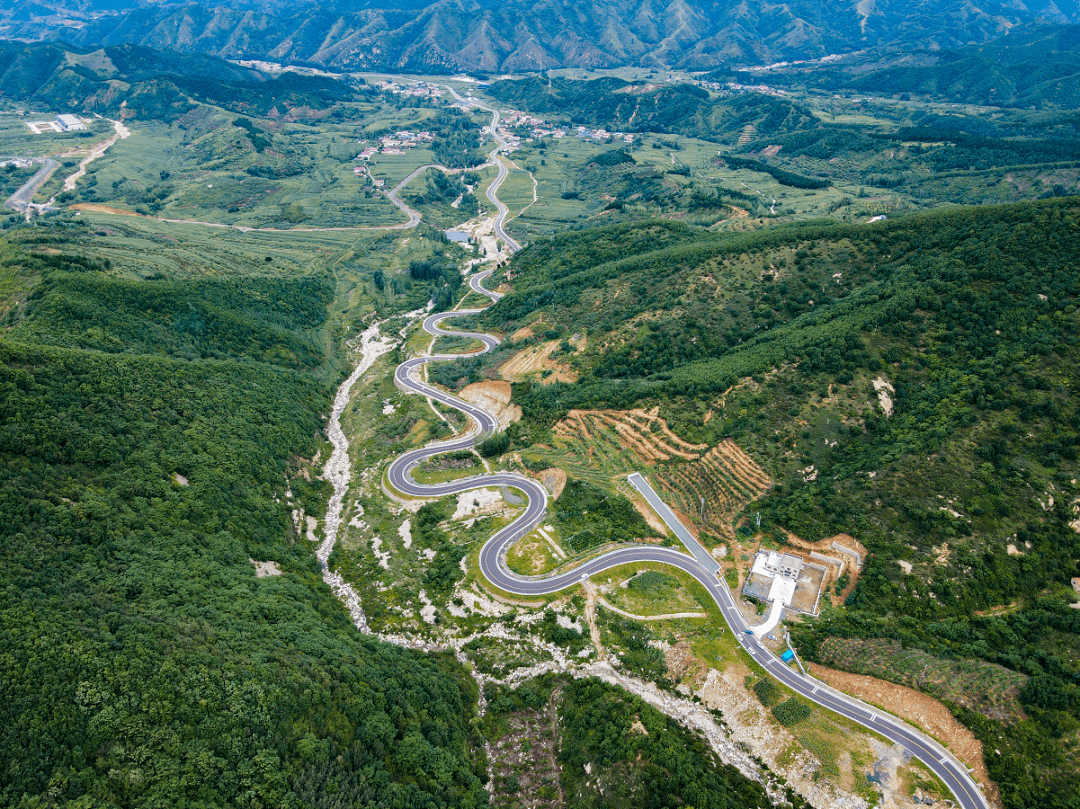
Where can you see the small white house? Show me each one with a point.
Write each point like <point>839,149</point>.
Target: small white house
<point>772,564</point>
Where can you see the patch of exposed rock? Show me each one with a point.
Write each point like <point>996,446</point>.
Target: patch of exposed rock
<point>494,397</point>
<point>885,392</point>
<point>554,481</point>
<point>751,730</point>
<point>264,569</point>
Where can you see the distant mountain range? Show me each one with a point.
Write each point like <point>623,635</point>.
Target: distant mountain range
<point>525,35</point>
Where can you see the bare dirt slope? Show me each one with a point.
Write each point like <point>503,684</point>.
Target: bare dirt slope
<point>535,360</point>
<point>494,397</point>
<point>920,709</point>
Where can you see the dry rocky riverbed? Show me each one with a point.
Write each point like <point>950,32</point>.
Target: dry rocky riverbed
<point>744,737</point>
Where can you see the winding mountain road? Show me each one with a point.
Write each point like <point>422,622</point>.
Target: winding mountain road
<point>492,192</point>
<point>698,563</point>
<point>493,189</point>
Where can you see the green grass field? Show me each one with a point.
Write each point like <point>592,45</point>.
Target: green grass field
<point>174,173</point>
<point>516,191</point>
<point>17,139</point>
<point>205,168</point>
<point>532,555</point>
<point>657,590</point>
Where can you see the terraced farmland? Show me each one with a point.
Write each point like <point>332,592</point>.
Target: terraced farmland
<point>642,432</point>
<point>725,477</point>
<point>599,445</point>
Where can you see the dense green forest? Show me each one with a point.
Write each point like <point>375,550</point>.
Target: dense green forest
<point>970,317</point>
<point>457,140</point>
<point>662,765</point>
<point>617,105</point>
<point>153,84</point>
<point>614,750</point>
<point>782,176</point>
<point>929,148</point>
<point>150,432</point>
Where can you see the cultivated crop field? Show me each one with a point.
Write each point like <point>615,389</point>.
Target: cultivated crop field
<point>598,445</point>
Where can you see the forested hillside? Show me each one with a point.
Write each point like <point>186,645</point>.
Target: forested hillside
<point>151,442</point>
<point>1033,66</point>
<point>151,84</point>
<point>617,105</point>
<point>638,757</point>
<point>960,479</point>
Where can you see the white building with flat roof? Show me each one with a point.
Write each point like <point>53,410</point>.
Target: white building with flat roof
<point>70,123</point>
<point>784,579</point>
<point>782,570</point>
<point>772,565</point>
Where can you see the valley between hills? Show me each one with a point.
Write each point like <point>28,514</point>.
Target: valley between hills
<point>830,328</point>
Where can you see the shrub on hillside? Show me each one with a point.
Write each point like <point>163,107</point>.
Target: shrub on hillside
<point>494,446</point>
<point>791,712</point>
<point>768,692</point>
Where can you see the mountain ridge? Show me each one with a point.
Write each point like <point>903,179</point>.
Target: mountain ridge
<point>127,80</point>
<point>450,35</point>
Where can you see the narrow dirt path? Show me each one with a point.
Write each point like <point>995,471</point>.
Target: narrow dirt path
<point>591,594</point>
<point>96,151</point>
<point>607,605</point>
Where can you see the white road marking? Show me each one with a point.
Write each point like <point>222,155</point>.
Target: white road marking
<point>968,798</point>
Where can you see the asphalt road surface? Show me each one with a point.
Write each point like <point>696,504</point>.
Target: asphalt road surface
<point>698,563</point>
<point>24,196</point>
<point>493,189</point>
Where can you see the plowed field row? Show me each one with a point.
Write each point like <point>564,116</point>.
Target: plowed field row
<point>620,441</point>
